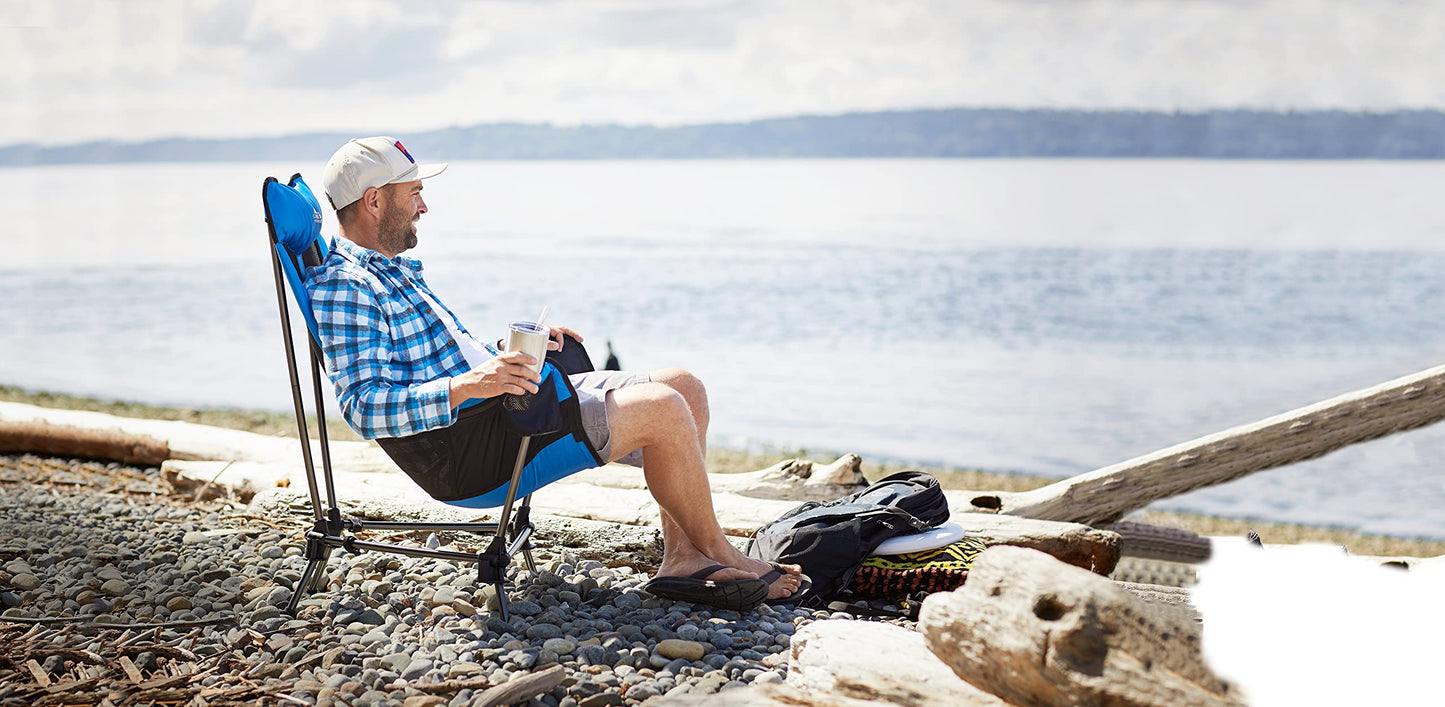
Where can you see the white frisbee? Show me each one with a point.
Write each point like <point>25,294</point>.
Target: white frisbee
<point>930,539</point>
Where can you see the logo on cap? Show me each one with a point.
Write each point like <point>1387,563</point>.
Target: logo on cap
<point>404,152</point>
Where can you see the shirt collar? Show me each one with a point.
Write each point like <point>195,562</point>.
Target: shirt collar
<point>373,260</point>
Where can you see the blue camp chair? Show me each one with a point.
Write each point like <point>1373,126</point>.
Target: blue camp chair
<point>293,218</point>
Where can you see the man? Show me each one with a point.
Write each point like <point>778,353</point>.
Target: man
<point>403,365</point>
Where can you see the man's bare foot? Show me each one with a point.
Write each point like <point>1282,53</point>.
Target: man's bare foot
<point>686,568</point>
<point>780,588</point>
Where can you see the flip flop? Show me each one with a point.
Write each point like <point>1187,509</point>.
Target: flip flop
<point>804,584</point>
<point>735,595</point>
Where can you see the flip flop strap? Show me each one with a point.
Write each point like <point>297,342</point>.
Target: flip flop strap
<point>706,571</point>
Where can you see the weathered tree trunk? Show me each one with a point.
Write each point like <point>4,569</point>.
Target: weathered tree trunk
<point>1106,495</point>
<point>41,437</point>
<point>1032,630</point>
<point>837,664</point>
<point>791,479</point>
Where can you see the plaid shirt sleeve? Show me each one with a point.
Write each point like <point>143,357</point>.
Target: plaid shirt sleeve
<point>356,340</point>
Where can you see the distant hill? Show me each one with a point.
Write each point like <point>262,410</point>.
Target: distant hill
<point>954,132</point>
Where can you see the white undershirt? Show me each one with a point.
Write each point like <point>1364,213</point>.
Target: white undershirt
<point>472,351</point>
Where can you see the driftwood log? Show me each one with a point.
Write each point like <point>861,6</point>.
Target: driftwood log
<point>837,664</point>
<point>790,479</point>
<point>1106,495</point>
<point>40,437</point>
<point>1032,630</point>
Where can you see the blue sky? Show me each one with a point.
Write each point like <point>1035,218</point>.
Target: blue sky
<point>98,69</point>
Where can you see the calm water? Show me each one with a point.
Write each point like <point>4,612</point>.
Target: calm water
<point>1042,317</point>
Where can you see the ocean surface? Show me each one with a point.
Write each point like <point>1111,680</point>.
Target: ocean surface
<point>1030,316</point>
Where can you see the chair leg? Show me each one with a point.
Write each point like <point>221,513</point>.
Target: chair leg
<point>527,555</point>
<point>502,599</point>
<point>318,580</point>
<point>315,568</point>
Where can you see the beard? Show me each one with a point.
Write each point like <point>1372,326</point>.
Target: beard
<point>397,231</point>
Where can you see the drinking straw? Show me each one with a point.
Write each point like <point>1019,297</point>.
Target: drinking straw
<point>543,318</point>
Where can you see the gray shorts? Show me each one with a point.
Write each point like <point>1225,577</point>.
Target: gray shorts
<point>592,389</point>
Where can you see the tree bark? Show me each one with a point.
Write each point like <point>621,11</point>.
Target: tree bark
<point>1032,630</point>
<point>1106,495</point>
<point>40,437</point>
<point>790,479</point>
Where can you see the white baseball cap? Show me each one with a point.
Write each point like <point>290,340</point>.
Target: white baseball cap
<point>370,162</point>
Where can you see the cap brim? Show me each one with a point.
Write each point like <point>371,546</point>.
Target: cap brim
<point>418,172</point>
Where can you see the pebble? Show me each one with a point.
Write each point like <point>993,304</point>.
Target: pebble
<point>560,646</point>
<point>675,648</point>
<point>544,631</point>
<point>25,581</point>
<point>463,669</point>
<point>115,587</point>
<point>416,669</point>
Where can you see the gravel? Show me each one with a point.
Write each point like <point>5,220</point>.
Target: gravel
<point>386,627</point>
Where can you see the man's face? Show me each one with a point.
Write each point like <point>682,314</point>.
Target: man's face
<point>402,206</point>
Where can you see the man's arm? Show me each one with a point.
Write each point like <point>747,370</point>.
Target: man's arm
<point>356,340</point>
<point>506,373</point>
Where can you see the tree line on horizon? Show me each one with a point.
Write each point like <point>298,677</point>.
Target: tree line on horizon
<point>952,132</point>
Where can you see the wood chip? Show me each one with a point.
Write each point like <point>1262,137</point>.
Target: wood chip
<point>71,654</point>
<point>72,686</point>
<point>451,686</point>
<point>131,670</point>
<point>45,619</point>
<point>172,652</point>
<point>521,689</point>
<point>39,672</point>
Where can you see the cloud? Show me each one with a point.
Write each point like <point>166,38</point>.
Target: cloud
<point>147,68</point>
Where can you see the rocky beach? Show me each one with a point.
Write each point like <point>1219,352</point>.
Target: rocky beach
<point>118,591</point>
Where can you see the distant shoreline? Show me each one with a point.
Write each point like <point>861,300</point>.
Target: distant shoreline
<point>723,460</point>
<point>932,133</point>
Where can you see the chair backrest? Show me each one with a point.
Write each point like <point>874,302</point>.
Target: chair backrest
<point>293,217</point>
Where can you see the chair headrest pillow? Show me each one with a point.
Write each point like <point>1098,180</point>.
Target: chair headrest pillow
<point>295,214</point>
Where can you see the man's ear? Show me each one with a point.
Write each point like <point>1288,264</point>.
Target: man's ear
<point>371,201</point>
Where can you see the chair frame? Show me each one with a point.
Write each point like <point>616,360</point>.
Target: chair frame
<point>511,532</point>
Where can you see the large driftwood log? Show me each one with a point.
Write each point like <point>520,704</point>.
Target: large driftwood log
<point>1035,631</point>
<point>1106,495</point>
<point>40,437</point>
<point>842,657</point>
<point>792,479</point>
<point>837,663</point>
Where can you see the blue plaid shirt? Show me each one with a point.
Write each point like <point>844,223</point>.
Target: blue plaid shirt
<point>389,354</point>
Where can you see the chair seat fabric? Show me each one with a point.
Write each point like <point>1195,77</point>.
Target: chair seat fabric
<point>469,463</point>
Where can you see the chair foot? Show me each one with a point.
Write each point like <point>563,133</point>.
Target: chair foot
<point>318,579</point>
<point>527,556</point>
<point>308,582</point>
<point>502,601</point>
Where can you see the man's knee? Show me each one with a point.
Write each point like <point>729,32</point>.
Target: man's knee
<point>655,411</point>
<point>684,382</point>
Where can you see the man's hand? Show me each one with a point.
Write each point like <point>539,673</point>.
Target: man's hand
<point>507,373</point>
<point>557,333</point>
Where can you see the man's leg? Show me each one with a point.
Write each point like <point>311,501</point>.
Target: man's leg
<point>695,395</point>
<point>657,418</point>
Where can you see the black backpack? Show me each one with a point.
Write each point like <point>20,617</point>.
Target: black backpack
<point>831,540</point>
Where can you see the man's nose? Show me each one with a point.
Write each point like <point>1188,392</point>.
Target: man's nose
<point>420,205</point>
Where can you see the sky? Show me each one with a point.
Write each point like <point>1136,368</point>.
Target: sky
<point>131,70</point>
